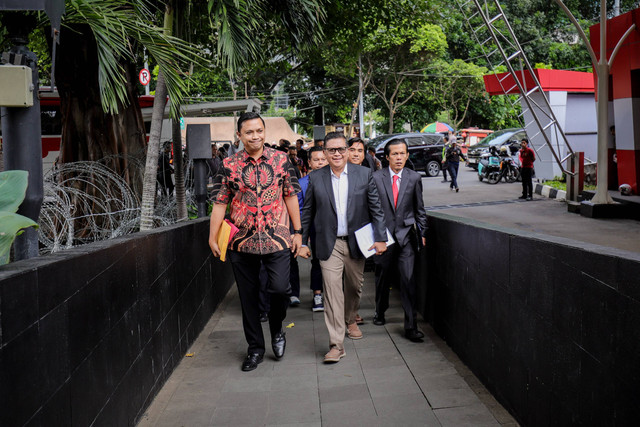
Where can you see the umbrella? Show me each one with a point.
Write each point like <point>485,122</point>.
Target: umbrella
<point>437,127</point>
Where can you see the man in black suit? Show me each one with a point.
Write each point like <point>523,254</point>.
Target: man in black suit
<point>340,199</point>
<point>400,191</point>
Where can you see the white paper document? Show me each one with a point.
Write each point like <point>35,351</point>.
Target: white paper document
<point>365,239</point>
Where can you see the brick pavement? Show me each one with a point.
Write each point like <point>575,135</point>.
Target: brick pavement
<point>384,380</point>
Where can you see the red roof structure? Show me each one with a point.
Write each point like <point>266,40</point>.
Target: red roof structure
<point>550,80</point>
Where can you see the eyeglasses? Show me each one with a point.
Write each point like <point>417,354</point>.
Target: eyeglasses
<point>335,150</point>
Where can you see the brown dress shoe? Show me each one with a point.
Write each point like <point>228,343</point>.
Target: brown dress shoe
<point>354,332</point>
<point>359,320</point>
<point>334,355</point>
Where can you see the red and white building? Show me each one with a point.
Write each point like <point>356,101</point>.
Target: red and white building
<point>571,97</point>
<point>624,98</point>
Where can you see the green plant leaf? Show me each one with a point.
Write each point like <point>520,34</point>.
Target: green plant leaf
<point>13,187</point>
<point>11,225</point>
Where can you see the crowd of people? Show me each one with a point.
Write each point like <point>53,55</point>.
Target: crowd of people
<point>287,202</point>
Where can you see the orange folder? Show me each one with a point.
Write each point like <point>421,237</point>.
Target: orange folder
<point>225,234</point>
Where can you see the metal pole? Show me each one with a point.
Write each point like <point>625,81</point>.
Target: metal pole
<point>361,100</point>
<point>200,184</point>
<point>23,151</point>
<point>602,70</point>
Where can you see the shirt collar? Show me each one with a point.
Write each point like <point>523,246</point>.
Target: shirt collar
<point>267,153</point>
<point>344,171</point>
<point>392,173</point>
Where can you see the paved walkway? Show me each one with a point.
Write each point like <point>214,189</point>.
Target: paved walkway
<point>385,380</point>
<point>499,205</point>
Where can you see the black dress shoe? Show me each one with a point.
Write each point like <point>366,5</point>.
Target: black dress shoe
<point>252,361</point>
<point>278,344</point>
<point>378,320</point>
<point>264,317</point>
<point>413,335</point>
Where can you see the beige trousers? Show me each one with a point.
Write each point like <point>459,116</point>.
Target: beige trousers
<point>341,305</point>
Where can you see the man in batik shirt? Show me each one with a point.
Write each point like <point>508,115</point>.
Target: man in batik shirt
<point>260,184</point>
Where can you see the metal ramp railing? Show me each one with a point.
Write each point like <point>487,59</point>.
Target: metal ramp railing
<point>491,30</point>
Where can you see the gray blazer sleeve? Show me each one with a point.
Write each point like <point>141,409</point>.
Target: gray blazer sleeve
<point>375,210</point>
<point>418,203</point>
<point>308,211</point>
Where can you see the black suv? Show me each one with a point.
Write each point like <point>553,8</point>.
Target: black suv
<point>425,150</point>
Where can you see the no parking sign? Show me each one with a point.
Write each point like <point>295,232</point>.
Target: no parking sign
<point>144,76</point>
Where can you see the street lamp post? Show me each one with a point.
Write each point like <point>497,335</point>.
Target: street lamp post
<point>22,141</point>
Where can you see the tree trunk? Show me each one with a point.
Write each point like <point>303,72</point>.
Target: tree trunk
<point>87,132</point>
<point>391,114</point>
<point>178,167</point>
<point>179,9</point>
<point>153,152</point>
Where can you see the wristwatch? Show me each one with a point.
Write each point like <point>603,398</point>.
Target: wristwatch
<point>299,231</point>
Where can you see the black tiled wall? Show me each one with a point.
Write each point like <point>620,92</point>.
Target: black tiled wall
<point>89,335</point>
<point>549,325</point>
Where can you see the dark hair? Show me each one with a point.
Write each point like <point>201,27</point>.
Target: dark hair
<point>356,140</point>
<point>334,135</point>
<point>387,148</point>
<point>248,115</point>
<point>315,149</point>
<point>524,140</point>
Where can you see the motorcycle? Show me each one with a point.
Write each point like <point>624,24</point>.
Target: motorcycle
<point>489,167</point>
<point>509,171</point>
<point>498,165</point>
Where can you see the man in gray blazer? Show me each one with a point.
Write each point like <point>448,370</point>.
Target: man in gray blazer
<point>340,199</point>
<point>400,191</point>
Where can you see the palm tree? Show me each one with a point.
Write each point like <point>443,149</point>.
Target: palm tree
<point>101,42</point>
<point>237,23</point>
<point>96,75</point>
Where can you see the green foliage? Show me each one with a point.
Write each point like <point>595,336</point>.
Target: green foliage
<point>120,25</point>
<point>13,186</point>
<point>192,210</point>
<point>561,184</point>
<point>453,86</point>
<point>38,45</point>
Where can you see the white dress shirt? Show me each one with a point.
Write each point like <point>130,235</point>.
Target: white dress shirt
<point>341,194</point>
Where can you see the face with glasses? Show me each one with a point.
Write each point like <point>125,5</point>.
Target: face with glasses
<point>336,153</point>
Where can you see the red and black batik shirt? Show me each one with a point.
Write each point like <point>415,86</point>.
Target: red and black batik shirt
<point>256,190</point>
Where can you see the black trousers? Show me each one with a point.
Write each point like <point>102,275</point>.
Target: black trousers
<point>453,171</point>
<point>294,276</point>
<point>395,267</point>
<point>316,270</point>
<point>527,183</point>
<point>246,269</point>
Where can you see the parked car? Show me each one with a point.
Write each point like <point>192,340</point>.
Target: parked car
<point>509,137</point>
<point>425,150</point>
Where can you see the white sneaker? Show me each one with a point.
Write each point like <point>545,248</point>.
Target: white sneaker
<point>294,301</point>
<point>318,304</point>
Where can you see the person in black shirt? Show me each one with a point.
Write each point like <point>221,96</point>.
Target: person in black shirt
<point>453,156</point>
